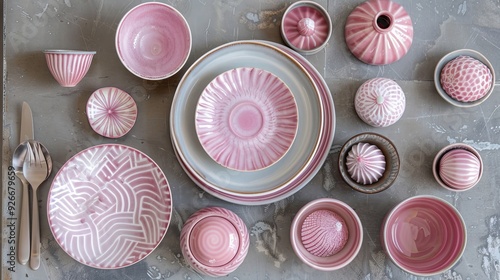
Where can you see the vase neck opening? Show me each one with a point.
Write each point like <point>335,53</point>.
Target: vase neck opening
<point>383,22</point>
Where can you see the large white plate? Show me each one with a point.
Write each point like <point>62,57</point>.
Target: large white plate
<point>109,206</point>
<point>280,180</point>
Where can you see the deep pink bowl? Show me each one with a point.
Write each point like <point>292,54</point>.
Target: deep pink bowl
<point>153,41</point>
<point>424,235</point>
<point>349,250</point>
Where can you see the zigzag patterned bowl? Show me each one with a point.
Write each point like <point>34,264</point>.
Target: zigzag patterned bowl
<point>109,206</point>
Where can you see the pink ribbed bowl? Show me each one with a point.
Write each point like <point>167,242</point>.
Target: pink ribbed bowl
<point>214,241</point>
<point>326,234</point>
<point>457,167</point>
<point>379,32</point>
<point>68,67</point>
<point>424,235</point>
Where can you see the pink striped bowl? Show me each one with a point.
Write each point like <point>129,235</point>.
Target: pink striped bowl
<point>311,239</point>
<point>214,241</point>
<point>424,235</point>
<point>457,167</point>
<point>68,67</point>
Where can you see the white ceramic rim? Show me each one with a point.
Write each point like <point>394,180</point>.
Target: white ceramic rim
<point>439,155</point>
<point>67,52</point>
<point>238,197</point>
<point>305,211</point>
<point>390,214</point>
<point>454,54</point>
<point>173,72</point>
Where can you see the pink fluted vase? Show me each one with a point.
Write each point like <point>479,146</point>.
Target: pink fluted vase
<point>379,32</point>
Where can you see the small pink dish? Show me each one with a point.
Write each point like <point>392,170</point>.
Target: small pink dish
<point>306,27</point>
<point>457,167</point>
<point>424,235</point>
<point>111,112</point>
<point>246,119</point>
<point>466,78</point>
<point>214,241</point>
<point>153,41</point>
<point>68,67</point>
<point>326,234</point>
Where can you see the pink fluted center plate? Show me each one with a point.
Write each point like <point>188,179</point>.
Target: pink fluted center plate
<point>109,206</point>
<point>111,112</point>
<point>246,119</point>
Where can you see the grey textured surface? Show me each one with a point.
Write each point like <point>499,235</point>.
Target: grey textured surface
<point>428,124</point>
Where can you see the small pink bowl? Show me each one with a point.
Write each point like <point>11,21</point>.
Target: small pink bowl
<point>153,41</point>
<point>68,67</point>
<point>348,251</point>
<point>214,241</point>
<point>462,171</point>
<point>424,235</point>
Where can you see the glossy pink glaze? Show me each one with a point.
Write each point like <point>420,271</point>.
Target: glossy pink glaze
<point>324,233</point>
<point>111,112</point>
<point>246,119</point>
<point>68,67</point>
<point>379,32</point>
<point>109,206</point>
<point>365,163</point>
<point>380,102</point>
<point>466,79</point>
<point>214,241</point>
<point>459,169</point>
<point>305,27</point>
<point>153,41</point>
<point>424,235</point>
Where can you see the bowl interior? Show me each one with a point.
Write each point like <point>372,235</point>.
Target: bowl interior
<point>424,235</point>
<point>153,41</point>
<point>391,168</point>
<point>350,249</point>
<point>450,56</point>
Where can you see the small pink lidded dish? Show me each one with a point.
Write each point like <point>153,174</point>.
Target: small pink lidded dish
<point>380,102</point>
<point>464,78</point>
<point>111,112</point>
<point>424,235</point>
<point>306,27</point>
<point>68,67</point>
<point>369,163</point>
<point>246,119</point>
<point>457,167</point>
<point>326,234</point>
<point>153,41</point>
<point>214,241</point>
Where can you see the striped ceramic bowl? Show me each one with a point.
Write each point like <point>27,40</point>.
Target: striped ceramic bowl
<point>67,66</point>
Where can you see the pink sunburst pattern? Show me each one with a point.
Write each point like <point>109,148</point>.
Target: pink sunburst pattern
<point>111,112</point>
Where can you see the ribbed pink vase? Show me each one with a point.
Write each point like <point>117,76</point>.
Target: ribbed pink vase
<point>379,32</point>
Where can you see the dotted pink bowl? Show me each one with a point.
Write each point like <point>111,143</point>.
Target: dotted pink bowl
<point>424,235</point>
<point>153,41</point>
<point>214,241</point>
<point>348,249</point>
<point>68,67</point>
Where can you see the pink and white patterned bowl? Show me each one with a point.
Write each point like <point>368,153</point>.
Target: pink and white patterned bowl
<point>326,234</point>
<point>246,119</point>
<point>424,235</point>
<point>153,41</point>
<point>470,89</point>
<point>111,112</point>
<point>457,167</point>
<point>306,27</point>
<point>68,67</point>
<point>214,241</point>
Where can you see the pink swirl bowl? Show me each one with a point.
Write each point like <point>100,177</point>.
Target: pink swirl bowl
<point>424,235</point>
<point>312,238</point>
<point>214,241</point>
<point>68,67</point>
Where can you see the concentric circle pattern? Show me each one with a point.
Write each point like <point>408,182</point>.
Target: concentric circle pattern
<point>109,206</point>
<point>111,112</point>
<point>246,119</point>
